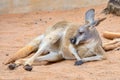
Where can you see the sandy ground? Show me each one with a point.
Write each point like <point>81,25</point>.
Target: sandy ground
<point>16,30</point>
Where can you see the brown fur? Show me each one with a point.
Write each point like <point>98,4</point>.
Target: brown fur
<point>22,53</point>
<point>70,30</point>
<point>111,35</point>
<point>115,43</point>
<point>25,51</point>
<point>56,41</point>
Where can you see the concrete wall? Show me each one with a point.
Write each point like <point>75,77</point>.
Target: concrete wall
<point>23,6</point>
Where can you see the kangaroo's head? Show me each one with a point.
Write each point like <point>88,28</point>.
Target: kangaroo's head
<point>87,32</point>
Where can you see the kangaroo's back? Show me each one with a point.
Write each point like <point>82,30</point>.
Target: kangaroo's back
<point>62,25</point>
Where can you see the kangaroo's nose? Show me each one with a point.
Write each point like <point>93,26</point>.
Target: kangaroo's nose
<point>73,40</point>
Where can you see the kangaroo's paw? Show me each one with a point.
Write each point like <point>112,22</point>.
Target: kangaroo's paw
<point>12,66</point>
<point>27,67</point>
<point>78,62</point>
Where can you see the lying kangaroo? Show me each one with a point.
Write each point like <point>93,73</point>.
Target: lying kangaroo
<point>115,43</point>
<point>113,7</point>
<point>63,40</point>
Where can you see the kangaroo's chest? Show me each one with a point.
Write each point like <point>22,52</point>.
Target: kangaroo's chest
<point>86,50</point>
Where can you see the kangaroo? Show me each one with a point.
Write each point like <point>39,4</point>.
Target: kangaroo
<point>115,43</point>
<point>113,7</point>
<point>64,40</point>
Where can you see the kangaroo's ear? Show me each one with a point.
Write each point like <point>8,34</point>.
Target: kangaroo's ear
<point>89,16</point>
<point>96,22</point>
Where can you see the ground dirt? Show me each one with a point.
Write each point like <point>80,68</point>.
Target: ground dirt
<point>16,30</point>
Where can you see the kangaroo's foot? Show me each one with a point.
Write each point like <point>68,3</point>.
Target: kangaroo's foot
<point>78,62</point>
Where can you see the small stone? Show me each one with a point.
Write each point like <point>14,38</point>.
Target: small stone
<point>50,18</point>
<point>7,54</point>
<point>40,19</point>
<point>35,22</point>
<point>45,21</point>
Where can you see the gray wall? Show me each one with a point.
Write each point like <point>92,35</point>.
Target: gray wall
<point>23,6</point>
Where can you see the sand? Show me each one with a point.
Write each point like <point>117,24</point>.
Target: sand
<point>16,30</point>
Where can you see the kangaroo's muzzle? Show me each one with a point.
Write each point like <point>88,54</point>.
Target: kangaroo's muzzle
<point>73,40</point>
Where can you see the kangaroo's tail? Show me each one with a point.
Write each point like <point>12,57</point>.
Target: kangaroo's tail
<point>25,51</point>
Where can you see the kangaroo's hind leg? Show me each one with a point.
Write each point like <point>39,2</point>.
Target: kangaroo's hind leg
<point>114,44</point>
<point>46,45</point>
<point>17,63</point>
<point>51,57</point>
<point>24,52</point>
